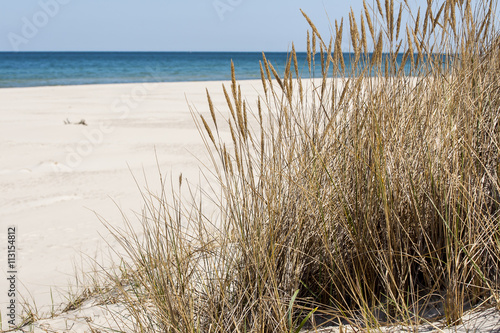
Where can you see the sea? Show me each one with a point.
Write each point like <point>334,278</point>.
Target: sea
<point>31,69</point>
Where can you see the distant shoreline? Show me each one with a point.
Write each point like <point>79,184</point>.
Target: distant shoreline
<point>228,81</point>
<point>34,69</point>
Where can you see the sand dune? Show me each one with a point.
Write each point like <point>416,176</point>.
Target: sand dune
<point>56,176</point>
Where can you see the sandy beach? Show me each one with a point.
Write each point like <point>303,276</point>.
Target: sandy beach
<point>56,176</point>
<point>75,155</point>
<point>245,166</point>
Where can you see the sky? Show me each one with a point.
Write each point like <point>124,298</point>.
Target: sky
<point>166,25</point>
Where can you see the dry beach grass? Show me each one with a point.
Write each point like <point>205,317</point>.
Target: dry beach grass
<point>368,202</point>
<point>365,203</point>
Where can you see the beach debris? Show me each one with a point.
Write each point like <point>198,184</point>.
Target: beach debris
<point>81,122</point>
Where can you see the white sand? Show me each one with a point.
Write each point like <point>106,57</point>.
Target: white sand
<point>54,176</point>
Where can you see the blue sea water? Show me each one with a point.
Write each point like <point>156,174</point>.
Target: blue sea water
<point>28,69</point>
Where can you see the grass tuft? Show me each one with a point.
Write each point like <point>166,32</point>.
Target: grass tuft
<point>367,200</point>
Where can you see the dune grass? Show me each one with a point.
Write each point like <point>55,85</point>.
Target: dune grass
<point>368,200</point>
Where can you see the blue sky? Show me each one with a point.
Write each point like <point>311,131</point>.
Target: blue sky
<point>165,25</point>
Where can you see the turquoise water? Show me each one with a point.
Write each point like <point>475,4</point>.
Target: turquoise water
<point>28,69</point>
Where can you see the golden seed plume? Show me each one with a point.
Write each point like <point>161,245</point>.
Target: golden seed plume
<point>377,55</point>
<point>446,14</point>
<point>419,49</point>
<point>239,108</point>
<point>341,29</point>
<point>250,168</point>
<point>398,23</point>
<point>354,37</point>
<point>410,47</point>
<point>336,49</point>
<point>289,91</point>
<point>389,18</point>
<point>344,91</point>
<point>240,100</point>
<point>342,62</point>
<point>486,20</point>
<point>268,72</point>
<point>386,68</point>
<point>322,54</point>
<point>309,51</point>
<point>313,27</point>
<point>295,62</point>
<point>233,134</point>
<point>425,23</point>
<point>354,30</point>
<point>436,19</point>
<point>262,78</point>
<point>239,163</point>
<point>363,35</point>
<point>301,90</point>
<point>245,120</point>
<point>350,24</point>
<point>391,15</point>
<point>339,43</point>
<point>379,48</point>
<point>397,49</point>
<point>228,101</point>
<point>417,21</point>
<point>329,52</point>
<point>212,111</point>
<point>296,67</point>
<point>323,86</point>
<point>403,62</point>
<point>369,21</point>
<point>207,128</point>
<point>313,48</point>
<point>454,20</point>
<point>468,12</point>
<point>277,77</point>
<point>288,72</point>
<point>233,80</point>
<point>226,158</point>
<point>380,8</point>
